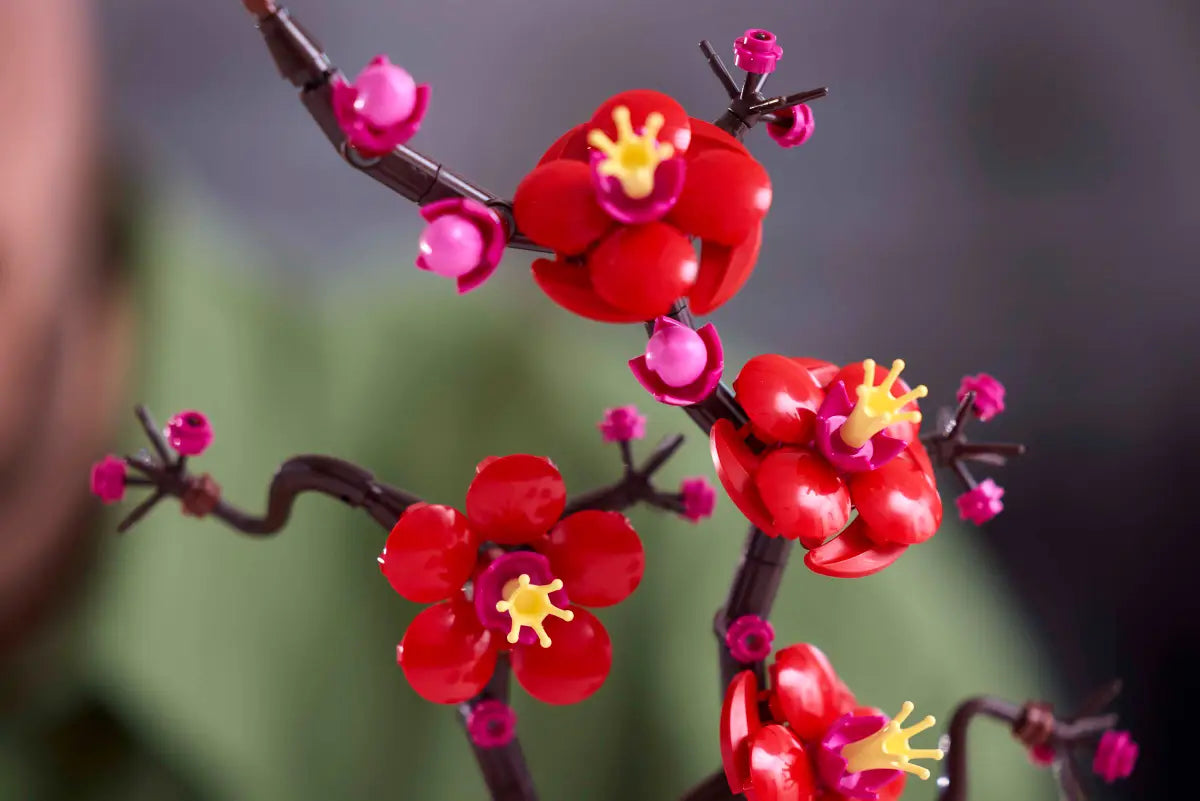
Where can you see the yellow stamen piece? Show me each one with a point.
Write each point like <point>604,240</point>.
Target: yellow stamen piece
<point>876,408</point>
<point>632,159</point>
<point>888,749</point>
<point>529,605</point>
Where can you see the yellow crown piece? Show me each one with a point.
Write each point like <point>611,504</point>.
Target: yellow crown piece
<point>888,748</point>
<point>529,605</point>
<point>876,408</point>
<point>632,159</point>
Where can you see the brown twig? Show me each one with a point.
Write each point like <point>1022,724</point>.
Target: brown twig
<point>503,768</point>
<point>1032,724</point>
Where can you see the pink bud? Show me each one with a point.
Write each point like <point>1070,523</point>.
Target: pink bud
<point>189,433</point>
<point>699,498</point>
<point>451,246</point>
<point>677,354</point>
<point>108,479</point>
<point>989,395</point>
<point>982,503</point>
<point>796,127</point>
<point>680,367</point>
<point>464,240</point>
<point>749,639</point>
<point>383,108</point>
<point>492,724</point>
<point>622,424</point>
<point>1116,756</point>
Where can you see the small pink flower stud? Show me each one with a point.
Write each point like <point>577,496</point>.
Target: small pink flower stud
<point>382,109</point>
<point>680,367</point>
<point>699,498</point>
<point>492,724</point>
<point>108,479</point>
<point>1115,756</point>
<point>982,503</point>
<point>622,424</point>
<point>464,240</point>
<point>757,51</point>
<point>795,128</point>
<point>989,395</point>
<point>749,639</point>
<point>189,433</point>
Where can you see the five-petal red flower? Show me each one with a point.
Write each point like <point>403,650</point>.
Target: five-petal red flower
<point>785,486</point>
<point>776,759</point>
<point>449,652</point>
<point>607,270</point>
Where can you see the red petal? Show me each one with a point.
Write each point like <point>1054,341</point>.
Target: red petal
<point>821,371</point>
<point>597,555</point>
<point>516,499</point>
<point>429,553</point>
<point>852,376</point>
<point>556,207</point>
<point>807,499</point>
<point>779,767</point>
<point>571,145</point>
<point>893,789</point>
<point>446,655</point>
<point>739,723</point>
<point>916,449</point>
<point>781,398</point>
<point>569,286</point>
<point>852,554</point>
<point>676,129</point>
<point>898,502</point>
<point>643,269</point>
<point>706,137</point>
<point>724,196</point>
<point>723,271</point>
<point>806,691</point>
<point>573,667</point>
<point>736,464</point>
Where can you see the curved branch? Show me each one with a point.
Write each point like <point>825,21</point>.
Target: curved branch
<point>1060,734</point>
<point>302,61</point>
<point>504,770</point>
<point>326,475</point>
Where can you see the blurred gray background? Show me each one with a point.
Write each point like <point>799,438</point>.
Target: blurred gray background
<point>1005,186</point>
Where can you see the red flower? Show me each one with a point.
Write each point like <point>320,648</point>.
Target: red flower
<point>622,228</point>
<point>561,653</point>
<point>781,473</point>
<point>800,752</point>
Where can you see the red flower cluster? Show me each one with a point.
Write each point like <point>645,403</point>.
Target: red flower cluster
<point>520,560</point>
<point>799,754</point>
<point>620,199</point>
<point>786,485</point>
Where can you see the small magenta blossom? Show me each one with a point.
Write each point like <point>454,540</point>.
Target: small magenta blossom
<point>1115,756</point>
<point>989,395</point>
<point>622,424</point>
<point>492,724</point>
<point>189,433</point>
<point>108,479</point>
<point>699,498</point>
<point>982,503</point>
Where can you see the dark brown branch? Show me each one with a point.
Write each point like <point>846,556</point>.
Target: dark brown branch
<point>752,592</point>
<point>1060,735</point>
<point>764,559</point>
<point>636,485</point>
<point>302,61</point>
<point>504,770</point>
